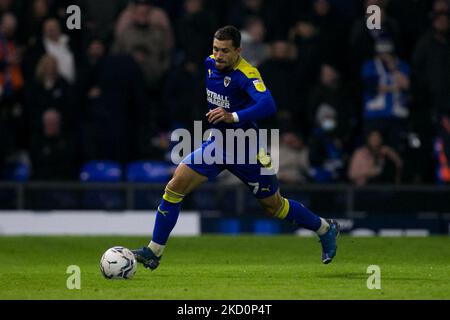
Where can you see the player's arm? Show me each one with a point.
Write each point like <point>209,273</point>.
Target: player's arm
<point>264,103</point>
<point>264,107</point>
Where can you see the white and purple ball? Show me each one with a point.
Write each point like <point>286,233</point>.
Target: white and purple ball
<point>118,263</point>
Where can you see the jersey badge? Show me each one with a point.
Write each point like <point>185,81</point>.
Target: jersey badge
<point>226,81</point>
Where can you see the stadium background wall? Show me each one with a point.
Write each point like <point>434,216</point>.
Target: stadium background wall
<point>139,223</point>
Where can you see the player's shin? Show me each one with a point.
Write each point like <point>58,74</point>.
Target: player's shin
<point>166,219</point>
<point>295,212</point>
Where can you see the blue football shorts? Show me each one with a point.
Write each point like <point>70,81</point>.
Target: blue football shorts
<point>261,185</point>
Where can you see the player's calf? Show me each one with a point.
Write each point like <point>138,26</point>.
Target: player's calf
<point>296,213</point>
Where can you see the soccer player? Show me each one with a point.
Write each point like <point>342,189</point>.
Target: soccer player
<point>237,97</point>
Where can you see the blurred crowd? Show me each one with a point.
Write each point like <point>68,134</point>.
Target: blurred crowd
<point>354,105</point>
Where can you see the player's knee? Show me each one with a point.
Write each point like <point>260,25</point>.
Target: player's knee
<point>273,208</point>
<point>271,211</point>
<point>178,184</point>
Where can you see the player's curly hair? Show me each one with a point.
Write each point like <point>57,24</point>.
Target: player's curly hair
<point>229,33</point>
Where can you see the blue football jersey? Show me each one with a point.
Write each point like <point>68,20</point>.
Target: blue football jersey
<point>235,90</point>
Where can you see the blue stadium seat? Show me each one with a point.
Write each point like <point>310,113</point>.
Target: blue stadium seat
<point>103,172</point>
<point>17,172</point>
<point>149,171</point>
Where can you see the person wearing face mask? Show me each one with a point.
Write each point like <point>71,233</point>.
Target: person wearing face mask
<point>331,90</point>
<point>326,147</point>
<point>375,163</point>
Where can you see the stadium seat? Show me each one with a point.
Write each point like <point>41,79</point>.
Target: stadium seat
<point>102,172</point>
<point>17,172</point>
<point>149,171</point>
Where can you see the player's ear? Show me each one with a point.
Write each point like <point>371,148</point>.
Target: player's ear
<point>239,50</point>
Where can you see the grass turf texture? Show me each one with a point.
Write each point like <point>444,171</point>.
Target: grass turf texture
<point>218,267</point>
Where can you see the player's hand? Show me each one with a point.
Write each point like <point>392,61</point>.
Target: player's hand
<point>219,115</point>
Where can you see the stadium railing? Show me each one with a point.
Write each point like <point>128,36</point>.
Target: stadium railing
<point>233,199</point>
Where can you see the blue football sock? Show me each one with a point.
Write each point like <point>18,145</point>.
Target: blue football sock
<point>166,216</point>
<point>297,213</point>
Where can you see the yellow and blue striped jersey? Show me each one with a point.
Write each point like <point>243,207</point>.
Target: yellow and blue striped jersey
<point>239,90</point>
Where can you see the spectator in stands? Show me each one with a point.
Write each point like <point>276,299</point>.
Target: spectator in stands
<point>188,104</point>
<point>99,18</point>
<point>136,31</point>
<point>254,50</point>
<point>431,62</point>
<point>306,37</point>
<point>441,7</point>
<point>9,6</point>
<point>56,44</point>
<point>330,32</point>
<point>11,77</point>
<point>326,149</point>
<point>88,86</point>
<point>278,72</point>
<point>386,93</point>
<point>330,91</point>
<point>442,151</point>
<point>375,163</point>
<point>53,153</point>
<point>363,39</point>
<point>294,159</point>
<point>194,31</point>
<point>245,8</point>
<point>36,15</point>
<point>13,131</point>
<point>155,17</point>
<point>49,90</point>
<point>405,13</point>
<point>116,115</point>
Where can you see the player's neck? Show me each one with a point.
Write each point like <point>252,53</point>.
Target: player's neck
<point>233,66</point>
<point>238,60</point>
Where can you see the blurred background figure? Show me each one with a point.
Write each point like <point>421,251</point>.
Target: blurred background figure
<point>139,32</point>
<point>53,153</point>
<point>278,71</point>
<point>386,95</point>
<point>188,104</point>
<point>57,44</point>
<point>254,50</point>
<point>48,90</point>
<point>246,8</point>
<point>363,39</point>
<point>326,149</point>
<point>442,151</point>
<point>294,159</point>
<point>11,77</point>
<point>375,163</point>
<point>99,18</point>
<point>431,60</point>
<point>331,91</point>
<point>117,113</point>
<point>37,14</point>
<point>194,31</point>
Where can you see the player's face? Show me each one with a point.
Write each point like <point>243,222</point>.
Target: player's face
<point>225,54</point>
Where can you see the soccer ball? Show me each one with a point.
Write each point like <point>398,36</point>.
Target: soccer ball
<point>118,263</point>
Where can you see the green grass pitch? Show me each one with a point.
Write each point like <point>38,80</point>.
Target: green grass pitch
<point>221,268</point>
